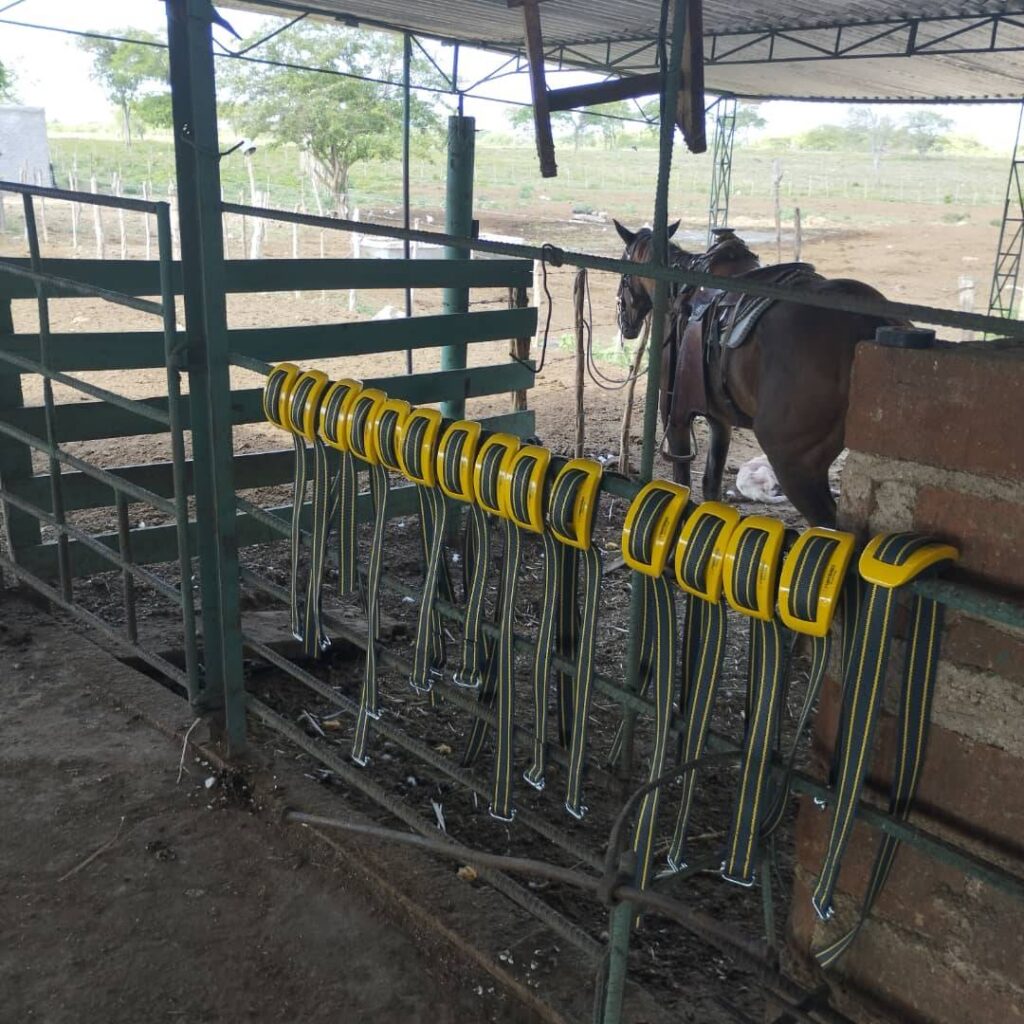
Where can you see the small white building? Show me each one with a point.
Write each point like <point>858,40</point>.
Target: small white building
<point>24,149</point>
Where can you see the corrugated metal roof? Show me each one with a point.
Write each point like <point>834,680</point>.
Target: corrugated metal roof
<point>806,49</point>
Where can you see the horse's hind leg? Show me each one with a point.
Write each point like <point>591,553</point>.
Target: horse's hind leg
<point>718,451</point>
<point>806,485</point>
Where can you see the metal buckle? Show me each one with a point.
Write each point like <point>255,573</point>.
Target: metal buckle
<point>334,410</point>
<point>498,817</point>
<point>658,535</point>
<point>422,428</point>
<point>837,550</point>
<point>579,813</point>
<point>765,571</point>
<point>537,784</point>
<point>493,457</point>
<point>474,683</point>
<point>737,881</point>
<point>361,761</point>
<point>703,538</point>
<point>675,866</point>
<point>524,505</point>
<point>421,689</point>
<point>584,503</point>
<point>456,480</point>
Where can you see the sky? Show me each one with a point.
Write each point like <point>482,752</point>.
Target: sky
<point>53,72</point>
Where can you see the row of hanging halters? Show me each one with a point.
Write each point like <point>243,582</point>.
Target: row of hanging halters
<point>348,417</point>
<point>716,551</point>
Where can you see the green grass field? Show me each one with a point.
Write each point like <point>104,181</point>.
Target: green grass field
<point>590,179</point>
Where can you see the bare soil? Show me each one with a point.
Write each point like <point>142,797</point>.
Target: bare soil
<point>687,978</point>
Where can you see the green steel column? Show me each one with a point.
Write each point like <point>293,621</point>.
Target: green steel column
<point>671,82</point>
<point>458,220</point>
<point>197,160</point>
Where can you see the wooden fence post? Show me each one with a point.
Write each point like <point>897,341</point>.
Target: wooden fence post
<point>579,291</point>
<point>627,412</point>
<point>97,224</point>
<point>798,235</point>
<point>519,348</point>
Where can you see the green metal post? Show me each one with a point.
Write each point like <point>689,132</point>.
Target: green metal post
<point>620,921</point>
<point>202,256</point>
<point>458,220</point>
<point>672,80</point>
<point>406,129</point>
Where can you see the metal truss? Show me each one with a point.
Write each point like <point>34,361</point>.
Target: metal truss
<point>1011,234</point>
<point>724,110</point>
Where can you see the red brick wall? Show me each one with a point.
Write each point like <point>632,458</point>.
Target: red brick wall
<point>936,442</point>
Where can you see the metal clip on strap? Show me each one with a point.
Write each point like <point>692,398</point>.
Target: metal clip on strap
<point>652,522</point>
<point>888,563</point>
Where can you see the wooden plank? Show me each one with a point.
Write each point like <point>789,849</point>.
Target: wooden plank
<point>572,97</point>
<point>157,544</point>
<point>142,277</point>
<point>91,421</point>
<point>136,350</point>
<point>539,89</point>
<point>254,469</point>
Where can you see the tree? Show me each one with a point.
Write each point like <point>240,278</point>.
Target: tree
<point>6,83</point>
<point>339,121</point>
<point>926,130</point>
<point>879,131</point>
<point>130,72</point>
<point>577,125</point>
<point>748,119</point>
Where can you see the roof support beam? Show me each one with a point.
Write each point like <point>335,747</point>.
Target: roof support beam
<point>538,86</point>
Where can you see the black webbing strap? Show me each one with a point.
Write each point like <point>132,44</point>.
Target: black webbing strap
<point>362,443</point>
<point>652,522</point>
<point>521,500</point>
<point>812,585</point>
<point>752,563</point>
<point>334,412</point>
<point>417,454</point>
<point>493,458</point>
<point>698,563</point>
<point>888,563</point>
<point>564,626</point>
<point>456,459</point>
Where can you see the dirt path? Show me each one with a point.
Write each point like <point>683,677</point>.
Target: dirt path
<point>127,897</point>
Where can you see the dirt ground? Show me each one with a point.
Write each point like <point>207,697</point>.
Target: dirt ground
<point>687,978</point>
<point>134,888</point>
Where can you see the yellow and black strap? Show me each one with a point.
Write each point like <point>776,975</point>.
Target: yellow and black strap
<point>812,583</point>
<point>572,501</point>
<point>652,522</point>
<point>456,459</point>
<point>521,501</point>
<point>752,560</point>
<point>493,458</point>
<point>334,412</point>
<point>417,455</point>
<point>888,563</point>
<point>362,416</point>
<point>699,559</point>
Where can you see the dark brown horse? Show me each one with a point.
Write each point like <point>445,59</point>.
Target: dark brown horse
<point>788,380</point>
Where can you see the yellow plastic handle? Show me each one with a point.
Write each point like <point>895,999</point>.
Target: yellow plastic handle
<point>304,399</point>
<point>456,456</point>
<point>421,427</point>
<point>893,559</point>
<point>494,456</point>
<point>832,552</point>
<point>757,578</point>
<point>334,410</point>
<point>385,428</point>
<point>361,415</point>
<point>652,520</point>
<point>584,503</point>
<point>521,487</point>
<point>276,393</point>
<point>701,549</point>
